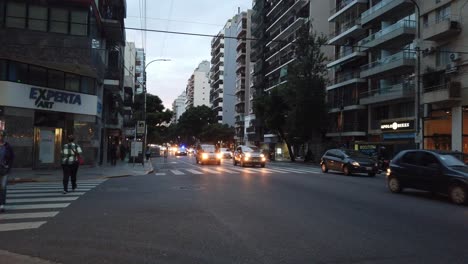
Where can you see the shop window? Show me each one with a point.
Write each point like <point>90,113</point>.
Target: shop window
<point>37,76</point>
<point>72,82</point>
<point>16,15</point>
<point>17,72</point>
<point>37,18</point>
<point>59,20</point>
<point>3,70</point>
<point>55,79</point>
<point>88,85</point>
<point>79,23</point>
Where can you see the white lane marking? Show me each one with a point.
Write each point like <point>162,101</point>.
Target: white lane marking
<point>45,190</point>
<point>21,226</point>
<point>288,170</point>
<point>36,206</point>
<point>177,172</point>
<point>272,170</point>
<point>241,170</point>
<point>27,215</point>
<point>44,187</point>
<point>21,195</point>
<point>194,171</point>
<point>211,171</point>
<point>227,171</point>
<point>38,200</point>
<point>50,184</point>
<point>160,173</point>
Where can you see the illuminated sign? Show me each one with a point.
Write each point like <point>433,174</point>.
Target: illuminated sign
<point>45,98</point>
<point>397,126</point>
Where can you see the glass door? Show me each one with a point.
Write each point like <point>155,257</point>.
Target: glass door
<point>47,145</point>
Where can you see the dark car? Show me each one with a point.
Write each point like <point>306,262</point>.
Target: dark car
<point>348,161</point>
<point>207,153</point>
<point>245,155</point>
<point>181,152</point>
<point>429,171</point>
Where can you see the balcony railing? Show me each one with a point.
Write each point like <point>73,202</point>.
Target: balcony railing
<point>376,7</point>
<point>343,77</point>
<point>346,26</point>
<point>398,25</point>
<point>395,57</point>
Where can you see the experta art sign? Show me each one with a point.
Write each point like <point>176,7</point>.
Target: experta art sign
<point>397,126</point>
<point>27,96</point>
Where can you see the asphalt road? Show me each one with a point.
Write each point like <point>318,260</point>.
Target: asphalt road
<point>286,213</point>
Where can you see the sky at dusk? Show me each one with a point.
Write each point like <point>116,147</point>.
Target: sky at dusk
<point>169,79</point>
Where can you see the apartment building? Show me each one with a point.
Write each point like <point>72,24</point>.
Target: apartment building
<point>444,65</point>
<point>129,90</point>
<point>198,86</point>
<point>223,72</point>
<point>243,106</point>
<point>61,73</point>
<point>178,107</point>
<point>373,86</point>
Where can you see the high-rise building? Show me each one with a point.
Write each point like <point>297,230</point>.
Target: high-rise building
<point>61,73</point>
<point>198,86</point>
<point>243,106</point>
<point>373,69</point>
<point>223,72</point>
<point>140,73</point>
<point>129,89</point>
<point>178,107</point>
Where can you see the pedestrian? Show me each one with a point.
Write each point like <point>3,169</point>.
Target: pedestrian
<point>70,162</point>
<point>6,160</point>
<point>122,152</point>
<point>166,153</point>
<point>148,153</point>
<point>113,154</point>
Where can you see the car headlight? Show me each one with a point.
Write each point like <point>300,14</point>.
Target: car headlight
<point>204,156</point>
<point>355,163</point>
<point>247,155</point>
<point>219,155</point>
<point>262,156</point>
<point>263,159</point>
<point>246,158</point>
<point>389,171</point>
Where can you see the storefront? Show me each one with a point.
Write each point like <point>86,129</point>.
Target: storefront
<point>38,119</point>
<point>398,134</point>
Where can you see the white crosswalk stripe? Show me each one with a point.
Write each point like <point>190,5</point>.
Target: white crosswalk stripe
<point>194,171</point>
<point>177,172</point>
<point>38,201</point>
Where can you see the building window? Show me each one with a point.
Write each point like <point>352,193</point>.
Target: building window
<point>443,13</point>
<point>59,20</point>
<point>37,76</point>
<point>55,79</point>
<point>72,82</point>
<point>37,18</point>
<point>79,23</point>
<point>88,85</point>
<point>18,72</point>
<point>16,15</point>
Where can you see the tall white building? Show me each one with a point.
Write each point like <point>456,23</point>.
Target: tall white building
<point>198,86</point>
<point>178,106</point>
<point>140,74</point>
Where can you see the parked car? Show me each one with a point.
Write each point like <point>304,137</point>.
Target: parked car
<point>348,161</point>
<point>429,171</point>
<point>227,154</point>
<point>181,152</point>
<point>245,155</point>
<point>207,153</point>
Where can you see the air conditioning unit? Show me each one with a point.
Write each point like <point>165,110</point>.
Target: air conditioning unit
<point>454,56</point>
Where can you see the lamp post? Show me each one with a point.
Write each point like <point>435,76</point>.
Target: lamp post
<point>420,137</point>
<point>146,92</point>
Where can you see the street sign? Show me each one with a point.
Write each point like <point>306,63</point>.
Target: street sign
<point>136,147</point>
<point>141,127</point>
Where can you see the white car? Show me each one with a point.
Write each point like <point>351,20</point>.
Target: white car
<point>227,154</point>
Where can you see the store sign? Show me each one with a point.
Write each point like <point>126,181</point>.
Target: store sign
<point>141,127</point>
<point>24,96</point>
<point>397,126</point>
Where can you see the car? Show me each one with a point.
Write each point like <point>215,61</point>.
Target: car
<point>245,155</point>
<point>429,171</point>
<point>348,161</point>
<point>227,154</point>
<point>207,153</point>
<point>181,152</point>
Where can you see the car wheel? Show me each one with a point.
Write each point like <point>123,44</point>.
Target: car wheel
<point>324,168</point>
<point>371,174</point>
<point>394,185</point>
<point>458,194</point>
<point>346,170</point>
<point>262,165</point>
<point>242,164</point>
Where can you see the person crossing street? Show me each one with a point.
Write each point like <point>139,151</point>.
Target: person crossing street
<point>70,162</point>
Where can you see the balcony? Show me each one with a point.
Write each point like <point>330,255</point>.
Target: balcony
<point>399,63</point>
<point>283,10</point>
<point>351,29</point>
<point>217,55</point>
<point>241,55</point>
<point>393,36</point>
<point>347,103</point>
<point>349,129</point>
<point>386,9</point>
<point>347,55</point>
<point>113,21</point>
<point>217,81</point>
<point>441,29</point>
<point>280,64</point>
<point>344,79</point>
<point>390,93</point>
<point>343,6</point>
<point>288,29</point>
<point>447,93</point>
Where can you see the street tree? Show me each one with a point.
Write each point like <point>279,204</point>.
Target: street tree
<point>156,115</point>
<point>218,132</point>
<point>194,121</point>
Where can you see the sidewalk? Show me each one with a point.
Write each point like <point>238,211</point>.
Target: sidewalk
<point>122,169</point>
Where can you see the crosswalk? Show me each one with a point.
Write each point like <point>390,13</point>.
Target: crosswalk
<point>30,205</point>
<point>230,169</point>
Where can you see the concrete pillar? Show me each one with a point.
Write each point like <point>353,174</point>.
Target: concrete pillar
<point>457,128</point>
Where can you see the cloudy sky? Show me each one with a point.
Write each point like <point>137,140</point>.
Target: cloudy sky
<point>169,79</point>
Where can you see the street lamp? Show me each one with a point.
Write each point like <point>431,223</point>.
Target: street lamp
<point>145,92</point>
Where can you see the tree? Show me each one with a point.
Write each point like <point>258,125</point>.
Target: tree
<point>194,121</point>
<point>216,132</point>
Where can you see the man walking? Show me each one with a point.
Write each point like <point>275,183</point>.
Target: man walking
<point>6,160</point>
<point>70,153</point>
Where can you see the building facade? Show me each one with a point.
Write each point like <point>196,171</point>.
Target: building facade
<point>223,72</point>
<point>178,107</point>
<point>60,75</point>
<point>129,90</point>
<point>198,86</point>
<point>243,106</point>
